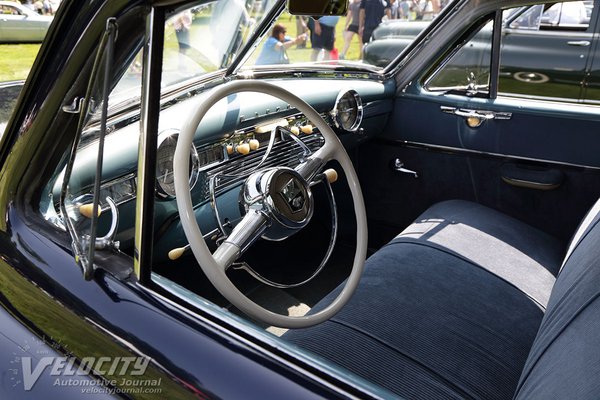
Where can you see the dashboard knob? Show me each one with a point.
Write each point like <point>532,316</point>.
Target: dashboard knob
<point>295,130</point>
<point>331,174</point>
<point>229,149</point>
<point>87,209</point>
<point>254,144</point>
<point>178,252</point>
<point>243,148</point>
<point>307,129</point>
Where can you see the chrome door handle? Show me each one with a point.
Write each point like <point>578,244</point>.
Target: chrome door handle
<point>475,118</point>
<point>580,43</point>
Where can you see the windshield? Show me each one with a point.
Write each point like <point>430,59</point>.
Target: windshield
<point>207,38</point>
<point>370,36</point>
<point>198,41</point>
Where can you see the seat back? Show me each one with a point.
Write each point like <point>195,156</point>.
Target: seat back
<point>564,362</point>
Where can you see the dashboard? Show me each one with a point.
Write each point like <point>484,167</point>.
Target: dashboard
<point>240,134</point>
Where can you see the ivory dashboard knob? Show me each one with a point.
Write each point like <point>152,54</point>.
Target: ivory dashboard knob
<point>331,175</point>
<point>295,130</point>
<point>307,129</point>
<point>87,209</point>
<point>176,253</point>
<point>229,149</point>
<point>243,148</point>
<point>254,144</point>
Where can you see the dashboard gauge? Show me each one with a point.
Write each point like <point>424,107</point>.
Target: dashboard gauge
<point>348,111</point>
<point>165,155</point>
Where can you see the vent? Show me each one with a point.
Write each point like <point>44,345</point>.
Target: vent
<point>285,153</point>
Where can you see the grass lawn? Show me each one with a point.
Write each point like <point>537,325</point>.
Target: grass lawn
<point>16,60</point>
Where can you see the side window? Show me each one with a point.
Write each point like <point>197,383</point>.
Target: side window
<point>570,16</point>
<point>468,69</point>
<point>529,19</point>
<point>545,54</point>
<point>6,9</point>
<point>545,51</point>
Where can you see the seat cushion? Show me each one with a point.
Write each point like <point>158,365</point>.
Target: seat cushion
<point>522,255</point>
<point>427,321</point>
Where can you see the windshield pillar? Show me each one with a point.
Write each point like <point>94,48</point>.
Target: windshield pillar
<point>150,108</point>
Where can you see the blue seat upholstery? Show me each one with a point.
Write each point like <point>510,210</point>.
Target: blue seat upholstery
<point>452,306</point>
<point>564,362</point>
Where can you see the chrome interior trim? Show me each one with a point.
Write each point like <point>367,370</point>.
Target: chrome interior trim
<point>484,153</point>
<point>326,257</point>
<point>335,113</point>
<point>161,191</point>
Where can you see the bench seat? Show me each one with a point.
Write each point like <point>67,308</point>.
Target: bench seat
<point>448,309</point>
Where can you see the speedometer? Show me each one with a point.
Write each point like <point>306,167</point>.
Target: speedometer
<point>165,155</point>
<point>348,111</point>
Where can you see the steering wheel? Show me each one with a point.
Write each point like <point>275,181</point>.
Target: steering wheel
<point>275,198</point>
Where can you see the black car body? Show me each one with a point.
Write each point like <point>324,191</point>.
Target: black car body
<point>97,280</point>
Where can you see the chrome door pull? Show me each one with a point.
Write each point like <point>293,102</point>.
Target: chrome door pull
<point>580,43</point>
<point>475,118</point>
<point>398,166</point>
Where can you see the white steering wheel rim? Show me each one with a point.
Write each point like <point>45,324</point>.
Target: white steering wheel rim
<point>214,272</point>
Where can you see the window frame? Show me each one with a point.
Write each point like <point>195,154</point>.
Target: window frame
<point>457,46</point>
<point>499,28</point>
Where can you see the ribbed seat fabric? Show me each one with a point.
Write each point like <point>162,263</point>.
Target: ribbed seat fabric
<point>564,362</point>
<point>448,309</point>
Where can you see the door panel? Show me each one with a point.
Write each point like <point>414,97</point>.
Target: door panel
<point>546,131</point>
<point>500,151</point>
<point>395,199</point>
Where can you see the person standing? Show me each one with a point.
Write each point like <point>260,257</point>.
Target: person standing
<point>322,35</point>
<point>182,24</point>
<point>274,49</point>
<point>371,14</point>
<point>351,29</point>
<point>301,29</point>
<point>404,10</point>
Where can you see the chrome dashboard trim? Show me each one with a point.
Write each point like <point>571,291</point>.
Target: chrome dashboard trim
<point>335,113</point>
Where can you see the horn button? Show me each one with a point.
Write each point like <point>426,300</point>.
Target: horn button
<point>282,195</point>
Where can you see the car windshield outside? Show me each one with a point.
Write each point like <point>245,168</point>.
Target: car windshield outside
<point>203,41</point>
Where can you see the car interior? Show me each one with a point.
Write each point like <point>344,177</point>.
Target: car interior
<point>481,277</point>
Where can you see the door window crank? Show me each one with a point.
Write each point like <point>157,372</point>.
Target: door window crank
<point>398,166</point>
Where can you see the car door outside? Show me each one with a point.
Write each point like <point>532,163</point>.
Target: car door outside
<point>18,27</point>
<point>548,59</point>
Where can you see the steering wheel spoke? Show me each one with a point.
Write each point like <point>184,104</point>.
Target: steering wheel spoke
<point>246,232</point>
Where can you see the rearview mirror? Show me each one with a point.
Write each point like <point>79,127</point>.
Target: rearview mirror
<point>318,7</point>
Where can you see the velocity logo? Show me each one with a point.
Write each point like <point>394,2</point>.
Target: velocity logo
<point>62,367</point>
